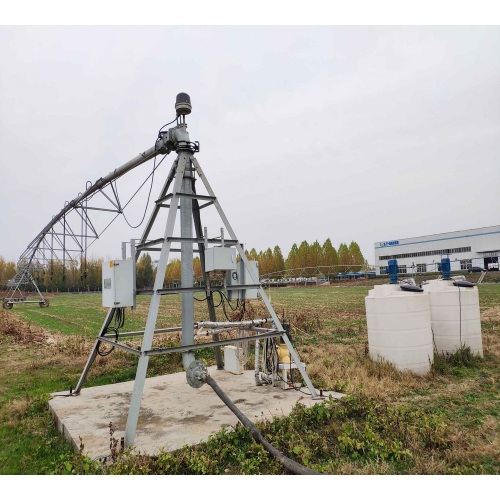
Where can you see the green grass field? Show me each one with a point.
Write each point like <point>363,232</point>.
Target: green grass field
<point>390,423</point>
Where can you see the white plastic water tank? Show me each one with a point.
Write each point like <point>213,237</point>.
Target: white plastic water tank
<point>455,316</point>
<point>399,328</point>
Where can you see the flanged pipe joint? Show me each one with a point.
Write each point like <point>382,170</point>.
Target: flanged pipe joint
<point>196,374</point>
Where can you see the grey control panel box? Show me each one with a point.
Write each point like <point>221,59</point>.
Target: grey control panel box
<point>242,276</point>
<point>118,289</point>
<point>220,259</point>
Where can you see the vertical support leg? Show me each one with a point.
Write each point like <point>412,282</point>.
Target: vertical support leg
<point>147,341</point>
<point>187,280</point>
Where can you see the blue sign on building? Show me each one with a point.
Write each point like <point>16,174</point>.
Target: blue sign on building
<point>389,243</point>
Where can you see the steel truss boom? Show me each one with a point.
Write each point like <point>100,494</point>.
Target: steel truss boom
<point>64,241</point>
<point>80,205</point>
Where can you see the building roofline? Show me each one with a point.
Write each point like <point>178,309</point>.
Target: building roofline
<point>496,229</point>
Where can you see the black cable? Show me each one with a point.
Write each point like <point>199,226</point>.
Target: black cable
<point>223,301</point>
<point>152,175</point>
<point>174,120</point>
<point>119,320</point>
<point>228,302</point>
<point>212,299</point>
<point>289,464</point>
<point>224,308</point>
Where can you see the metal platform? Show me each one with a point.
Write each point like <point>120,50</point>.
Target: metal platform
<point>172,414</point>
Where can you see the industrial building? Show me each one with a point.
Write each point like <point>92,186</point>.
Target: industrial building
<point>467,250</point>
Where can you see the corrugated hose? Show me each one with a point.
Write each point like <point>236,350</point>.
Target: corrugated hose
<point>289,464</point>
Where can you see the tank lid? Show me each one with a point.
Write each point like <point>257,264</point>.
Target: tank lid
<point>411,288</point>
<point>465,284</point>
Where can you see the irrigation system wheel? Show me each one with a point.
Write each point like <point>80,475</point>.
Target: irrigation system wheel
<point>7,304</point>
<point>45,303</point>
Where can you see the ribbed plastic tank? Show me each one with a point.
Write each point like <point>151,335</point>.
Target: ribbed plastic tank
<point>399,328</point>
<point>455,316</point>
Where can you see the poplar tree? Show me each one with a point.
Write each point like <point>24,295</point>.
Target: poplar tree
<point>144,272</point>
<point>94,274</point>
<point>329,254</point>
<point>303,254</point>
<point>198,272</point>
<point>329,258</point>
<point>315,255</point>
<point>7,271</point>
<point>344,257</point>
<point>356,257</point>
<point>173,272</point>
<point>292,260</point>
<point>278,262</point>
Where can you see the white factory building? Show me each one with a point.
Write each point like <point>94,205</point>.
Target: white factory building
<point>466,249</point>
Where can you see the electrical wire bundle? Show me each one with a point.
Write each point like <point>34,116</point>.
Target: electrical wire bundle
<point>118,315</point>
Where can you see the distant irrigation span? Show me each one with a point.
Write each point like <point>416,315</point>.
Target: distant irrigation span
<point>318,272</point>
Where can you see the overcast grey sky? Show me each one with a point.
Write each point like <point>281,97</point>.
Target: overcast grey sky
<point>307,133</point>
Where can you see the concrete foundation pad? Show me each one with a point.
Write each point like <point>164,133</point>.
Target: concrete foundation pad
<point>172,415</point>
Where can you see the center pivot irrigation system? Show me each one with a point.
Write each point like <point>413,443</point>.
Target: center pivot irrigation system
<point>220,256</point>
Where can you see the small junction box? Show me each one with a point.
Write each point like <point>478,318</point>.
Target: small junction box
<point>220,259</point>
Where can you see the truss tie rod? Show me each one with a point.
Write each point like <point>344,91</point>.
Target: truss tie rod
<point>234,324</point>
<point>175,329</point>
<point>177,239</point>
<point>205,333</point>
<point>186,195</point>
<point>214,288</point>
<point>202,345</point>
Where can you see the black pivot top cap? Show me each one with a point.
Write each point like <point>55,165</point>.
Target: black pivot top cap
<point>183,104</point>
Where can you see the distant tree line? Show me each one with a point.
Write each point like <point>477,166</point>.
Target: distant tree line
<point>309,256</point>
<point>86,274</point>
<point>7,271</point>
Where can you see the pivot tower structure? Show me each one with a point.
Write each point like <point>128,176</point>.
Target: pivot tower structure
<point>221,254</point>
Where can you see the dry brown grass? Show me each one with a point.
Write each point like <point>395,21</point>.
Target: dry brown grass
<point>19,332</point>
<point>349,369</point>
<point>490,318</point>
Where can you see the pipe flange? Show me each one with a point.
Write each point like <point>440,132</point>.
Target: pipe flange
<point>196,374</point>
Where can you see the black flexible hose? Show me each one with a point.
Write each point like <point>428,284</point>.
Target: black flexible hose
<point>289,464</point>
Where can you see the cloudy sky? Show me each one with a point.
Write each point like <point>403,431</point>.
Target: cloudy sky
<point>364,133</point>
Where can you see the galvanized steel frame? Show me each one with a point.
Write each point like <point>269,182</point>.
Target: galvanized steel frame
<point>183,194</point>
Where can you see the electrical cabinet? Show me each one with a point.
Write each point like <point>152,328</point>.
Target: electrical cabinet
<point>220,259</point>
<point>118,283</point>
<point>242,276</point>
